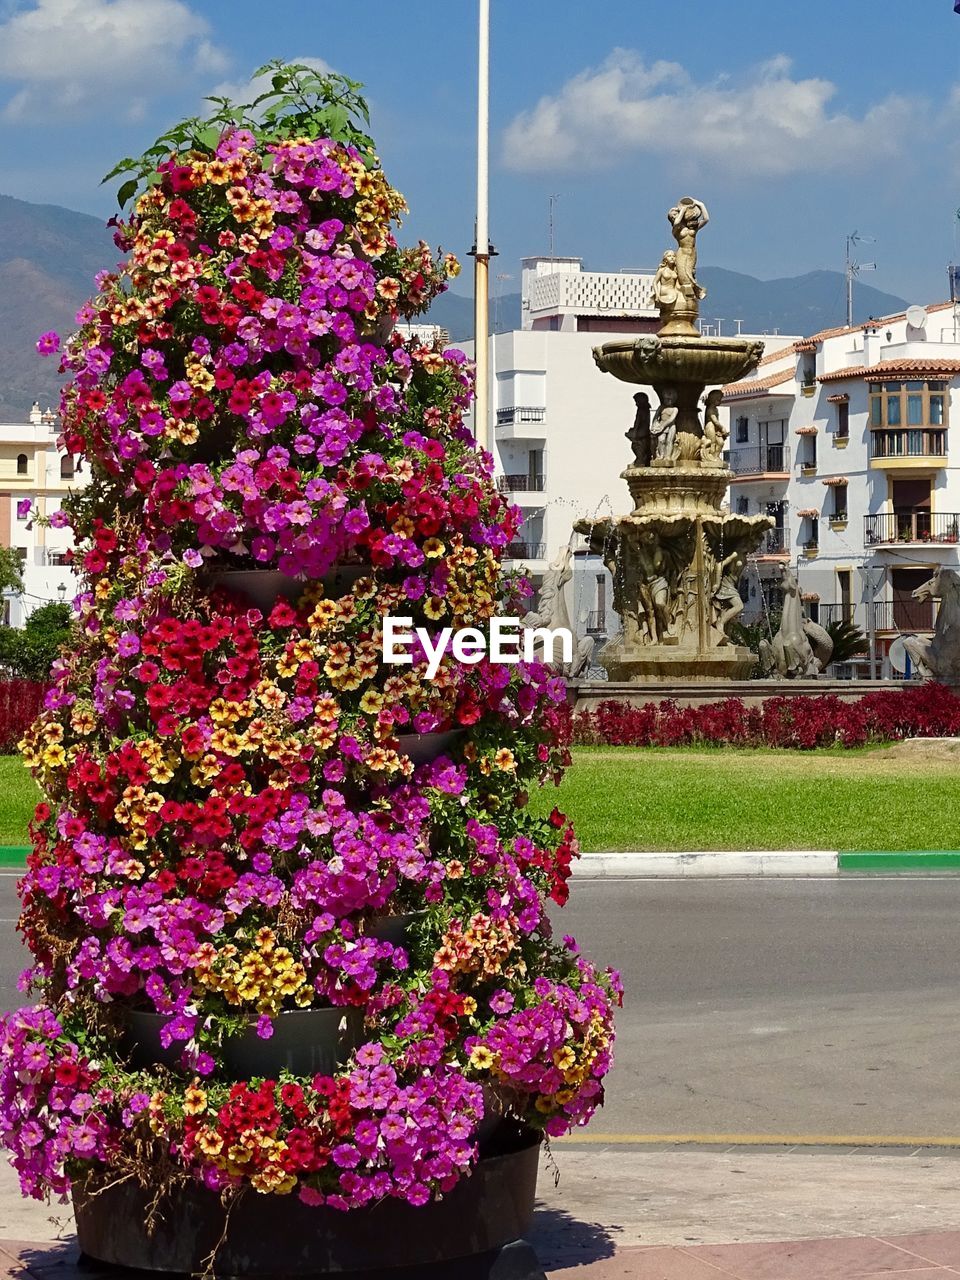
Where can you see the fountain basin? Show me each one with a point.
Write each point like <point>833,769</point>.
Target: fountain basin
<point>655,361</point>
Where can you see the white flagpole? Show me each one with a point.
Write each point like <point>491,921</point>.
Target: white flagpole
<point>481,266</point>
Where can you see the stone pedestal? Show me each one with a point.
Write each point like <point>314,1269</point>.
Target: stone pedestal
<point>668,664</point>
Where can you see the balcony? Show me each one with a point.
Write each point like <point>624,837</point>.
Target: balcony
<point>837,613</point>
<point>891,527</point>
<point>521,483</point>
<point>905,614</point>
<point>521,422</point>
<point>520,413</point>
<point>51,557</point>
<point>525,551</point>
<point>908,447</point>
<point>776,542</point>
<point>761,461</point>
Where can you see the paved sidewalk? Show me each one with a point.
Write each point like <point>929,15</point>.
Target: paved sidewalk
<point>674,1214</point>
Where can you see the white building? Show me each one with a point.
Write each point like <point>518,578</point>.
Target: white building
<point>32,468</point>
<point>558,423</point>
<point>844,438</point>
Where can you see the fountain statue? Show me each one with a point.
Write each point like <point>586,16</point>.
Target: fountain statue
<point>676,559</point>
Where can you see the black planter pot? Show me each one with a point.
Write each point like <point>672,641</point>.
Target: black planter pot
<point>304,1041</point>
<point>422,748</point>
<point>270,1235</point>
<point>264,587</point>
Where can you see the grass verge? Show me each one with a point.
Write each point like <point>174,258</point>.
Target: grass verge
<point>623,798</point>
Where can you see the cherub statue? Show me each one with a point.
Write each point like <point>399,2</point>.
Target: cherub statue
<point>726,598</point>
<point>639,433</point>
<point>664,428</point>
<point>654,586</point>
<point>714,432</point>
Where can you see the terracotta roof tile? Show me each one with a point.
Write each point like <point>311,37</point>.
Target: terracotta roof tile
<point>836,481</point>
<point>807,344</point>
<point>806,431</point>
<point>896,368</point>
<point>757,386</point>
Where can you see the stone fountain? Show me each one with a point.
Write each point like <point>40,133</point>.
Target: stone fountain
<point>676,559</point>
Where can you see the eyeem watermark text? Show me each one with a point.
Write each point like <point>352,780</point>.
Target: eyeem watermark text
<point>508,641</point>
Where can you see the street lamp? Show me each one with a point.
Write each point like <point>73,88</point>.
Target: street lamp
<point>62,591</point>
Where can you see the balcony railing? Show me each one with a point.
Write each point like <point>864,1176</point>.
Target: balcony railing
<point>521,484</point>
<point>775,542</point>
<point>760,460</point>
<point>837,613</point>
<point>596,622</point>
<point>908,442</point>
<point>911,526</point>
<point>903,615</point>
<point>520,413</point>
<point>525,551</point>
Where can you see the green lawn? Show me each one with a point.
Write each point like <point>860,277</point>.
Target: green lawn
<point>627,798</point>
<point>624,798</point>
<point>18,795</point>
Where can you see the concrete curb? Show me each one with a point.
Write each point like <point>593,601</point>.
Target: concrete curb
<point>725,862</point>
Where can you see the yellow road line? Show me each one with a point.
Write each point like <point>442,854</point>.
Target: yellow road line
<point>764,1139</point>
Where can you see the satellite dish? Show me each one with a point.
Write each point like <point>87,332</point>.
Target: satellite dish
<point>898,655</point>
<point>917,317</point>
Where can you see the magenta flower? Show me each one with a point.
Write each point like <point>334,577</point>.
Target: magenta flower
<point>48,344</point>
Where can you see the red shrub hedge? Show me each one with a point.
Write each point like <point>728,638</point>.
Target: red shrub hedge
<point>20,701</point>
<point>928,711</point>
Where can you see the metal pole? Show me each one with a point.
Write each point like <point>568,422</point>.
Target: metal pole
<point>481,263</point>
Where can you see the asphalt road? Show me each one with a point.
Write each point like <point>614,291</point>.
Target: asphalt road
<point>761,1007</point>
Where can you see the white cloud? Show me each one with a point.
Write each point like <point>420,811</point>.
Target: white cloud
<point>78,55</point>
<point>763,121</point>
<point>242,92</point>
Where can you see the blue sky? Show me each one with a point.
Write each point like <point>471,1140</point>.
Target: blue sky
<point>837,115</point>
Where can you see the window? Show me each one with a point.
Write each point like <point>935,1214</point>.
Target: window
<point>839,502</point>
<point>845,600</point>
<point>813,532</point>
<point>22,463</point>
<point>743,430</point>
<point>23,513</point>
<point>914,404</point>
<point>843,421</point>
<point>743,506</point>
<point>66,467</point>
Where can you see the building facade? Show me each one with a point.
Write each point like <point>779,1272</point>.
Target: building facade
<point>844,438</point>
<point>34,470</point>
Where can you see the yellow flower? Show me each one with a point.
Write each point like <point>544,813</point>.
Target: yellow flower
<point>371,702</point>
<point>194,1100</point>
<point>564,1058</point>
<point>482,1058</point>
<point>54,756</point>
<point>433,548</point>
<point>435,607</point>
<point>505,760</point>
<point>210,1142</point>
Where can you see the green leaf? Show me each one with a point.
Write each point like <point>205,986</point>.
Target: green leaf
<point>127,191</point>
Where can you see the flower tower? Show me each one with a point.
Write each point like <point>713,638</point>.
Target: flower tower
<point>286,904</point>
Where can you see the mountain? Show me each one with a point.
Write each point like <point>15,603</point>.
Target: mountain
<point>795,304</point>
<point>48,258</point>
<point>455,313</point>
